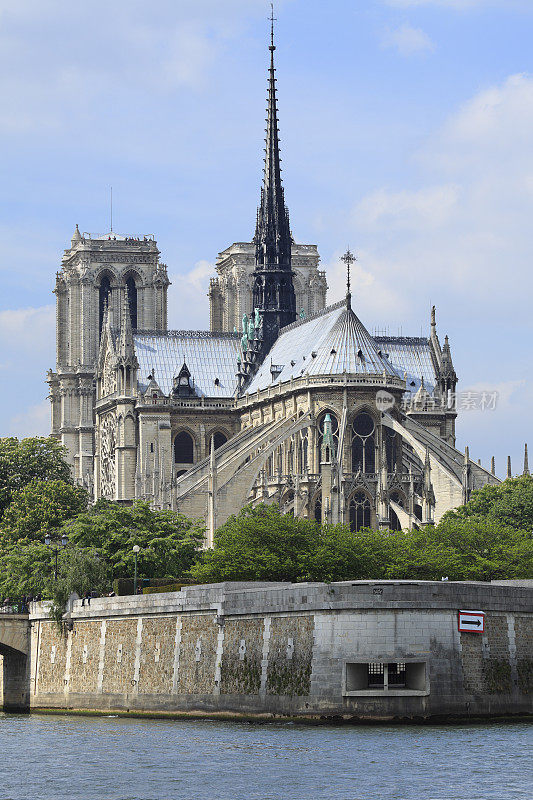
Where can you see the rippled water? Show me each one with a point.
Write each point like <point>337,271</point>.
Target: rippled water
<point>111,758</point>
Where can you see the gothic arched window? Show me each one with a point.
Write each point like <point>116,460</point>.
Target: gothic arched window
<point>104,298</point>
<point>363,443</point>
<point>132,297</point>
<point>183,448</point>
<point>360,512</point>
<point>318,512</point>
<point>334,431</point>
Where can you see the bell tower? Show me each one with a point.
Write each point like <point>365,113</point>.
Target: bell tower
<point>98,273</point>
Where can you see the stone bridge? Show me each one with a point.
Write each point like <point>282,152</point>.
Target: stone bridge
<point>14,659</point>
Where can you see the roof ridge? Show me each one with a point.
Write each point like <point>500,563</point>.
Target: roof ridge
<point>402,339</point>
<point>189,334</point>
<point>315,314</point>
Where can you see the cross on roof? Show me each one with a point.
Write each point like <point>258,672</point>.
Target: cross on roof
<point>348,259</point>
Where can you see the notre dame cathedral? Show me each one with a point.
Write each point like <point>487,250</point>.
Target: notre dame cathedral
<point>284,399</point>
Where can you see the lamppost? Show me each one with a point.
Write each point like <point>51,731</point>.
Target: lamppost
<point>56,549</point>
<point>136,549</point>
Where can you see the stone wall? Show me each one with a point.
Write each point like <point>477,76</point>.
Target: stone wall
<point>312,650</point>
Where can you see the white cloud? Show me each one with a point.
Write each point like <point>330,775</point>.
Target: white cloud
<point>27,338</point>
<point>369,286</point>
<point>60,62</point>
<point>462,238</point>
<point>187,297</point>
<point>27,331</point>
<point>430,206</point>
<point>34,421</point>
<point>407,40</point>
<point>467,224</point>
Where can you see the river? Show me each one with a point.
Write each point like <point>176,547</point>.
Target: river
<point>114,758</point>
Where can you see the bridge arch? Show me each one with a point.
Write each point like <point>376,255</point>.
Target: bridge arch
<point>14,654</point>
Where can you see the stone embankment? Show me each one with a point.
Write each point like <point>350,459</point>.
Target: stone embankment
<point>364,650</point>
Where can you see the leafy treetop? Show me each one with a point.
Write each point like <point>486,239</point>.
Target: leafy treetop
<point>22,461</point>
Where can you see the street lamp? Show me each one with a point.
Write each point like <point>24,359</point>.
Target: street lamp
<point>136,549</point>
<point>56,549</point>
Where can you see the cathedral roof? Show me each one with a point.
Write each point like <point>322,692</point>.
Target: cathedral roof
<point>210,357</point>
<point>410,355</point>
<point>333,342</point>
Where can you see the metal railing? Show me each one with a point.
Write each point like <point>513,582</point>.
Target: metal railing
<point>14,607</point>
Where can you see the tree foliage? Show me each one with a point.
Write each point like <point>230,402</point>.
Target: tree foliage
<point>262,544</point>
<point>510,503</point>
<point>41,507</point>
<point>82,571</point>
<point>168,541</point>
<point>25,460</point>
<point>25,569</point>
<point>259,544</point>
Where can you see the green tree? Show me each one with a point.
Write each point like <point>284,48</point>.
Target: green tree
<point>342,554</point>
<point>41,507</point>
<point>262,544</point>
<point>22,461</point>
<point>169,542</point>
<point>259,544</point>
<point>82,571</point>
<point>485,547</point>
<point>25,569</point>
<point>511,503</point>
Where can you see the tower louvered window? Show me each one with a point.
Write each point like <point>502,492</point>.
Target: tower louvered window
<point>132,297</point>
<point>104,299</point>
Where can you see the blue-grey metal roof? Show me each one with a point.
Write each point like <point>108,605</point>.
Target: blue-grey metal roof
<point>333,342</point>
<point>208,356</point>
<point>411,355</point>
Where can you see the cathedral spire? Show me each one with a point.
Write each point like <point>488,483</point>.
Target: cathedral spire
<point>273,291</point>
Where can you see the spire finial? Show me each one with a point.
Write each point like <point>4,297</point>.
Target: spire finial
<point>526,461</point>
<point>509,471</point>
<point>348,259</point>
<point>274,297</point>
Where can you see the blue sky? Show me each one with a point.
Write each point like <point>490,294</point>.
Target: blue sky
<point>406,132</point>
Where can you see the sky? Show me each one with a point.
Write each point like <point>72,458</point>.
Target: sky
<point>406,133</point>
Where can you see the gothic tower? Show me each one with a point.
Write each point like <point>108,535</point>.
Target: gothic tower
<point>273,288</point>
<point>96,274</point>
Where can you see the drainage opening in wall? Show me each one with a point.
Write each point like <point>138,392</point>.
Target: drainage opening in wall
<point>385,678</point>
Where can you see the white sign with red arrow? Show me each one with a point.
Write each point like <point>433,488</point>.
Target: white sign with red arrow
<point>472,621</point>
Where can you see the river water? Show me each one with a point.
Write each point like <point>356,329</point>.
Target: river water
<point>112,758</point>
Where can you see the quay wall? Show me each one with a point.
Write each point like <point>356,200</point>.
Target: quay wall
<point>365,650</point>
